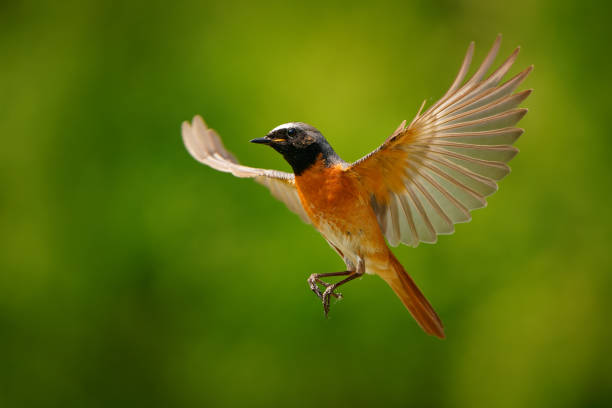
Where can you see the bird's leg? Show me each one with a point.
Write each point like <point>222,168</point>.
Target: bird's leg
<point>358,272</point>
<point>330,287</point>
<point>316,278</point>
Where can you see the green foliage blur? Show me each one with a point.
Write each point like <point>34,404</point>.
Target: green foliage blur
<point>131,275</point>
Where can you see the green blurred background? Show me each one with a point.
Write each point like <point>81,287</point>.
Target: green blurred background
<point>131,275</point>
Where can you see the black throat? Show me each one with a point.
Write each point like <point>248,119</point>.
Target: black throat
<point>302,159</point>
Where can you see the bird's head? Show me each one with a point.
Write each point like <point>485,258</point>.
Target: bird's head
<point>300,144</point>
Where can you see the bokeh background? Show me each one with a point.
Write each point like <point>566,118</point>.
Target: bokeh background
<point>131,275</point>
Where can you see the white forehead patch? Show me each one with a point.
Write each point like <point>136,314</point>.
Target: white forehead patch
<point>283,126</point>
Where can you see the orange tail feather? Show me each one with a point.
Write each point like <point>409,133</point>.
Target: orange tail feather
<point>405,288</point>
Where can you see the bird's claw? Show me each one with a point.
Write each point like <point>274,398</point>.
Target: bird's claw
<point>329,291</point>
<point>312,282</point>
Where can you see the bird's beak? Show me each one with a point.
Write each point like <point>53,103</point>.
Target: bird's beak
<point>261,140</point>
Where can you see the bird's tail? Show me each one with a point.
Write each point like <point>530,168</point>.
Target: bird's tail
<point>405,288</point>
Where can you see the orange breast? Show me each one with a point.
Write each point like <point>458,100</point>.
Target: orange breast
<point>337,205</point>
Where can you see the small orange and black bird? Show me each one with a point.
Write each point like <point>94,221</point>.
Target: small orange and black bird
<point>426,177</point>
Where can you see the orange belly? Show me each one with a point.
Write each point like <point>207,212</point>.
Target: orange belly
<point>340,209</point>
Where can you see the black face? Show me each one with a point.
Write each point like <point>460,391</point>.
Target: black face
<point>300,144</point>
<point>292,137</point>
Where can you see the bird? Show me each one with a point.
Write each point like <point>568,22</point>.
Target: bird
<point>425,177</point>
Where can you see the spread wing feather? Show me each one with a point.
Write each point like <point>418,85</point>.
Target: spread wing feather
<point>205,146</point>
<point>429,175</point>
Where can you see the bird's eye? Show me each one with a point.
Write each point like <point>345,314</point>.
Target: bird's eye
<point>290,132</point>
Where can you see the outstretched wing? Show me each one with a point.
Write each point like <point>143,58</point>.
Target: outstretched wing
<point>205,146</point>
<point>429,175</point>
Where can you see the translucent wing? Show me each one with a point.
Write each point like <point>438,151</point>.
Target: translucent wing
<point>429,175</point>
<point>205,146</point>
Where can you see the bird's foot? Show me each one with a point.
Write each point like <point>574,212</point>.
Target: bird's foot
<point>314,281</point>
<point>329,291</point>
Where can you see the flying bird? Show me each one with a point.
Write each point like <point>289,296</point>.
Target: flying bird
<point>424,178</point>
